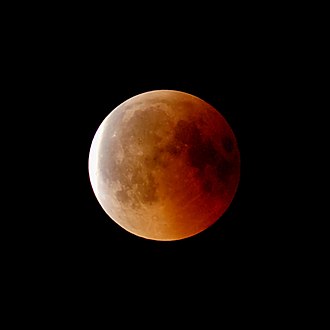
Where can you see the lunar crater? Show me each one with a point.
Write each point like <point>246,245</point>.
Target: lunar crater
<point>228,144</point>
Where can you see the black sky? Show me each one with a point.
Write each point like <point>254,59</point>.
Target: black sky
<point>82,68</point>
<point>99,77</point>
<point>92,77</point>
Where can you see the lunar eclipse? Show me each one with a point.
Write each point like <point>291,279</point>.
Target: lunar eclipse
<point>164,165</point>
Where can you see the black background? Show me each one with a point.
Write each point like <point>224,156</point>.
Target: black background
<point>77,69</point>
<point>242,246</point>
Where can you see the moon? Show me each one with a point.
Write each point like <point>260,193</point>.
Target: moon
<point>164,165</point>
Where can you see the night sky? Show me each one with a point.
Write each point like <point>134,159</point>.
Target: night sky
<point>240,240</point>
<point>75,252</point>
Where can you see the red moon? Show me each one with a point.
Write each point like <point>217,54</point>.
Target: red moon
<point>164,165</point>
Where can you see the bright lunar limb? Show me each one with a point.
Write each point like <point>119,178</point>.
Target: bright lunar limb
<point>164,165</point>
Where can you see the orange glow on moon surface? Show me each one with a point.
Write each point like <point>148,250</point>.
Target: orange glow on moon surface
<point>164,165</point>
